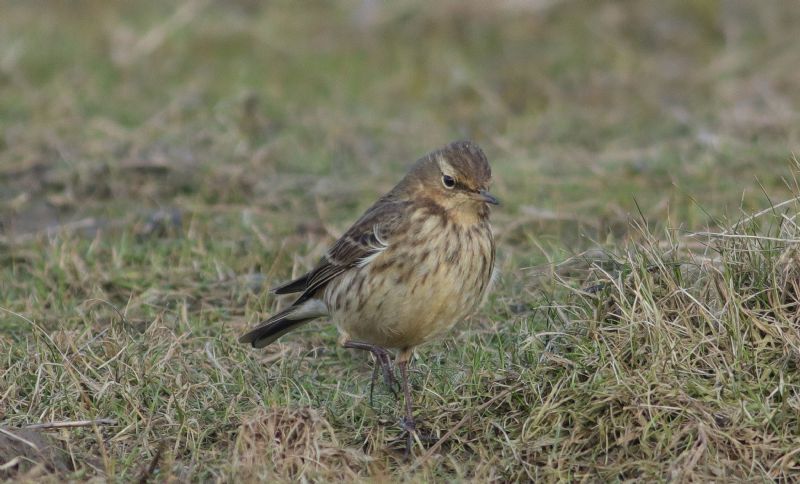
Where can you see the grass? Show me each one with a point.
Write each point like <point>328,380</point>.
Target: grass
<point>163,164</point>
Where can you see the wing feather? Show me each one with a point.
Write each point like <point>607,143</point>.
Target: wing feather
<point>370,235</point>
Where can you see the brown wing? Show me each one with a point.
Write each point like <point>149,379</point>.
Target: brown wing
<point>368,236</point>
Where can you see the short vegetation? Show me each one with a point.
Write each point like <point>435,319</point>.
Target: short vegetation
<point>162,164</point>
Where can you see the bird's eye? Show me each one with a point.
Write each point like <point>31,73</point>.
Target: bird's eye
<point>448,181</point>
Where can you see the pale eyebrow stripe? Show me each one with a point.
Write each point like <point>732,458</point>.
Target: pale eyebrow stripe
<point>445,166</point>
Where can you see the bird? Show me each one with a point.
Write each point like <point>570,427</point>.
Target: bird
<point>418,261</point>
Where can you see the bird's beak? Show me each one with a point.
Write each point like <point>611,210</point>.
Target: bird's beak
<point>486,197</point>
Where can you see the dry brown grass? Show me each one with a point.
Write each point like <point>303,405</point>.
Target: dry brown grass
<point>293,444</point>
<point>28,455</point>
<point>162,164</point>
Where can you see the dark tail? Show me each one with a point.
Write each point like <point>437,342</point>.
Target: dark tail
<point>290,318</point>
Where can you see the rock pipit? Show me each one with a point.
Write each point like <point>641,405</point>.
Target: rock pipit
<point>417,262</point>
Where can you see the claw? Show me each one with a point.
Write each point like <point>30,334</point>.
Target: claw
<point>408,425</point>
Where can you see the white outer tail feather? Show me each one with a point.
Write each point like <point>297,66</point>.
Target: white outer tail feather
<point>313,308</point>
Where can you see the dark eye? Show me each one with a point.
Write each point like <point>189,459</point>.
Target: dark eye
<point>448,181</point>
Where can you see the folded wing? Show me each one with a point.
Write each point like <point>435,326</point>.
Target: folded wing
<point>364,241</point>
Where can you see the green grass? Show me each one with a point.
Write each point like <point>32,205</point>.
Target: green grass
<point>162,165</point>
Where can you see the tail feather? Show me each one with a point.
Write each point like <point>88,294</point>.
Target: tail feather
<point>290,318</point>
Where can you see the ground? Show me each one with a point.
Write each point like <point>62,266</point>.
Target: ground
<point>163,163</point>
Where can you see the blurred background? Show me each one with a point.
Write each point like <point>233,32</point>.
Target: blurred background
<point>163,163</point>
<point>303,112</point>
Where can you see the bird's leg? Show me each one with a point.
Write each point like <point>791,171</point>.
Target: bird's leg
<point>408,422</point>
<point>382,358</point>
<point>372,382</point>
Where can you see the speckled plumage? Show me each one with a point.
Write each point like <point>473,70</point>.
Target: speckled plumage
<point>416,263</point>
<point>432,273</point>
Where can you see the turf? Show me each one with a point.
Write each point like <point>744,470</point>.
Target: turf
<point>162,164</point>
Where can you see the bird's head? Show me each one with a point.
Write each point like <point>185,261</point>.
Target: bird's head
<point>456,178</point>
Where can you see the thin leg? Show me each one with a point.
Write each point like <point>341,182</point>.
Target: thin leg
<point>382,358</point>
<point>408,422</point>
<point>372,382</point>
